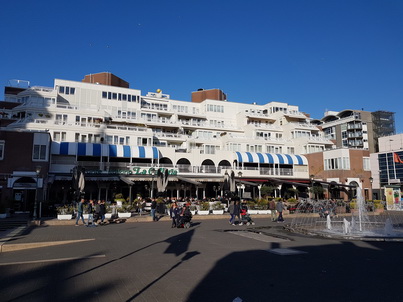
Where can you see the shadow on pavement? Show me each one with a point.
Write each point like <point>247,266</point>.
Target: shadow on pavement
<point>335,272</point>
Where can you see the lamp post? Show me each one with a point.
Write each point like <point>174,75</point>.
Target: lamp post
<point>312,177</point>
<point>371,180</point>
<point>37,171</point>
<point>152,172</point>
<point>146,187</point>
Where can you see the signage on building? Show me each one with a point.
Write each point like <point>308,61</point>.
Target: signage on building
<point>133,171</point>
<point>393,198</point>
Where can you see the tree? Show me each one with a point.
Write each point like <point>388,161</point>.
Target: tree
<point>317,191</point>
<point>267,190</point>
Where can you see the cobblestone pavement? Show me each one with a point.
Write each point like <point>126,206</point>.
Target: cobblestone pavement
<point>141,260</point>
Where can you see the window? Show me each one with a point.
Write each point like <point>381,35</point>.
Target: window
<point>56,136</point>
<point>233,147</point>
<point>339,163</point>
<point>215,108</point>
<point>67,90</point>
<point>2,150</point>
<point>290,150</point>
<point>59,136</point>
<point>209,149</point>
<point>39,152</point>
<point>366,164</point>
<point>104,94</point>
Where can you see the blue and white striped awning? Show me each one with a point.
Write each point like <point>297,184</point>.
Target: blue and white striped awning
<point>88,149</point>
<point>271,158</point>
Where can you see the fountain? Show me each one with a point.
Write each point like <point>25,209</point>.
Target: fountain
<point>323,219</point>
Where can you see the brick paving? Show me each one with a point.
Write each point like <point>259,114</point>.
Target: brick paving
<point>141,260</point>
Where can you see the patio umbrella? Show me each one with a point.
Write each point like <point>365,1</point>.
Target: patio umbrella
<point>226,186</point>
<point>81,181</point>
<point>160,177</point>
<point>162,180</point>
<point>165,180</point>
<point>78,181</point>
<point>232,182</point>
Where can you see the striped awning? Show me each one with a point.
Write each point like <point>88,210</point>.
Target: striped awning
<point>88,149</point>
<point>271,158</point>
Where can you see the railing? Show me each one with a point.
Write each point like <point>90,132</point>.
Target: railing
<point>182,168</point>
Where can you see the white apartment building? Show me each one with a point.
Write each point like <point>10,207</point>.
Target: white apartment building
<point>121,136</point>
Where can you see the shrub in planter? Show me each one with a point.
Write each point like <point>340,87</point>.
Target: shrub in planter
<point>252,205</point>
<point>262,204</point>
<point>65,210</point>
<point>204,206</point>
<point>125,208</point>
<point>218,206</point>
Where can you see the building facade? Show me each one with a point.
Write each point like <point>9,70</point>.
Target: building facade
<point>121,137</point>
<point>24,166</point>
<point>387,167</point>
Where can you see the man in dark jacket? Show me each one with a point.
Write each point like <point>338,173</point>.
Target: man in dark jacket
<point>80,211</point>
<point>153,209</point>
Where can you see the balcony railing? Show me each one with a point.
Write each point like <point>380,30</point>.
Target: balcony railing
<point>182,168</point>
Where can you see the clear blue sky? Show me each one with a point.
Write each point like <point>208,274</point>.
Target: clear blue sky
<point>317,54</point>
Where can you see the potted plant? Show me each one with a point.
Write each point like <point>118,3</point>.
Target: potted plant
<point>262,206</point>
<point>379,206</point>
<point>193,209</point>
<point>252,207</point>
<point>65,212</point>
<point>125,210</point>
<point>204,208</point>
<point>108,214</point>
<point>218,208</point>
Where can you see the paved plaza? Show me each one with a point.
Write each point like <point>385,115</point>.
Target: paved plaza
<point>141,260</point>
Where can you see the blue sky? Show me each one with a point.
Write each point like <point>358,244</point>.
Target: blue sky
<point>317,54</point>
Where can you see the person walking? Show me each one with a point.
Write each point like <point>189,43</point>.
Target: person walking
<point>173,213</point>
<point>237,212</point>
<point>231,210</point>
<point>153,209</point>
<point>280,207</point>
<point>90,211</point>
<point>80,211</point>
<point>102,211</point>
<point>272,208</point>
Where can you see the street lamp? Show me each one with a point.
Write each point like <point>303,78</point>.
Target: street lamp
<point>371,180</point>
<point>37,171</point>
<point>152,172</point>
<point>312,177</point>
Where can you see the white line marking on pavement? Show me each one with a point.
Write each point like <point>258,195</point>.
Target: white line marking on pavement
<point>53,260</point>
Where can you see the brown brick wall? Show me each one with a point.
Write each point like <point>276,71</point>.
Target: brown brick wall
<point>212,94</point>
<point>105,78</point>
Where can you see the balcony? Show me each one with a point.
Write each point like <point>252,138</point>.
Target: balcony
<point>65,165</point>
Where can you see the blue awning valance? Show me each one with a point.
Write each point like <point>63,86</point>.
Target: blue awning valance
<point>88,149</point>
<point>271,158</point>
